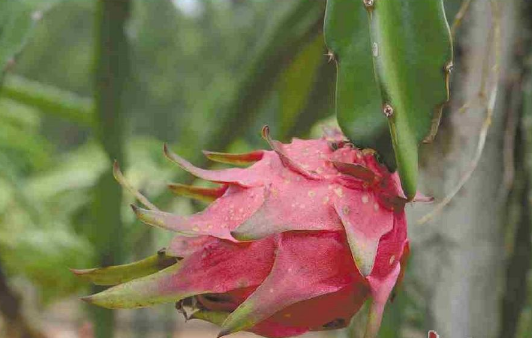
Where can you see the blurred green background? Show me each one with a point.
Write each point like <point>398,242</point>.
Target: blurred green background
<point>85,82</point>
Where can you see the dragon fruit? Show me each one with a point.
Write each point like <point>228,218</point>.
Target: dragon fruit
<point>295,242</point>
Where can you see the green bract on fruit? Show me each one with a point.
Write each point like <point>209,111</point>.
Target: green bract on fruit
<point>296,242</point>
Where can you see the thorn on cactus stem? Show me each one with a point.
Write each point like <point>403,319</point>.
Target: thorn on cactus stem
<point>330,56</point>
<point>369,4</point>
<point>375,49</point>
<point>449,67</point>
<point>388,110</point>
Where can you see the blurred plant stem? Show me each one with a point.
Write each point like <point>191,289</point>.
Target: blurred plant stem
<point>17,325</point>
<point>520,226</point>
<point>519,218</point>
<point>111,75</point>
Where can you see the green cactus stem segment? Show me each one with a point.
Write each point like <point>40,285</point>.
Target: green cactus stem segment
<point>412,55</point>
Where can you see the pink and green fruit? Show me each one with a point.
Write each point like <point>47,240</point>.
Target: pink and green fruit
<point>295,242</point>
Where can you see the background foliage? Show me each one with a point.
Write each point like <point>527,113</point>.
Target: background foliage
<point>201,74</point>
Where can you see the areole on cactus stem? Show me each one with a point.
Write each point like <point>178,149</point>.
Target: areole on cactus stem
<point>295,242</point>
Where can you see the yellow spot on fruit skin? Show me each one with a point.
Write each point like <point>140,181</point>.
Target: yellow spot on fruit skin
<point>311,193</point>
<point>339,192</point>
<point>376,207</point>
<point>392,259</point>
<point>345,210</point>
<point>288,315</point>
<point>365,198</point>
<point>326,200</point>
<point>196,229</point>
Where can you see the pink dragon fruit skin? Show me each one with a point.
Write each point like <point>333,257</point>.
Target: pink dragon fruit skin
<point>295,242</point>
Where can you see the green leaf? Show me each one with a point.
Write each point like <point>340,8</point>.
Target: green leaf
<point>358,98</point>
<point>15,24</point>
<point>17,19</point>
<point>49,99</point>
<point>412,51</point>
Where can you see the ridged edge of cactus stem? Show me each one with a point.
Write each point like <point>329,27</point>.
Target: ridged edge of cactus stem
<point>413,59</point>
